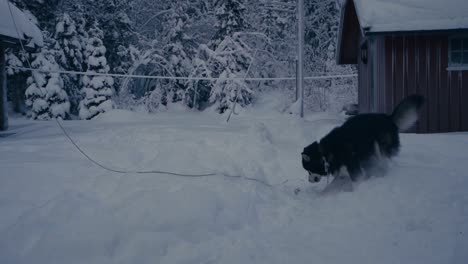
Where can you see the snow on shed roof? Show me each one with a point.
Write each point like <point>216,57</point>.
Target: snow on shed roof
<point>26,28</point>
<point>412,15</point>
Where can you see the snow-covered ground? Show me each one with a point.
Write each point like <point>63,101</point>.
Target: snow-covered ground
<point>57,207</point>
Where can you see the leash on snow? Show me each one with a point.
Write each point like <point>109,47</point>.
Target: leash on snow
<point>120,171</point>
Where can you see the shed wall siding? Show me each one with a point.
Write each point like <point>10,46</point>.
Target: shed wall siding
<point>364,80</point>
<point>418,64</point>
<point>371,77</point>
<point>3,91</point>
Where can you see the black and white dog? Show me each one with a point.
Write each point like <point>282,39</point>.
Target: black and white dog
<point>360,142</point>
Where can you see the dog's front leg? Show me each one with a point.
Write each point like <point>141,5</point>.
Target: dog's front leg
<point>341,182</point>
<point>347,180</point>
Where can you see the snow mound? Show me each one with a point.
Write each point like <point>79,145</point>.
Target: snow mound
<point>118,115</point>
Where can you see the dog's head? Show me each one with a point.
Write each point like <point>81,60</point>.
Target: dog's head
<point>313,162</point>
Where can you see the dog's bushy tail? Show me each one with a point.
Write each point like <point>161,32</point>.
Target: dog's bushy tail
<point>405,114</point>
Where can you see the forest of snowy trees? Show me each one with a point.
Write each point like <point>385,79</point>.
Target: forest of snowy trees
<point>178,38</point>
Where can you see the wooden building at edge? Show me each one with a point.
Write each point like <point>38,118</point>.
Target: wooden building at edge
<point>409,47</point>
<point>16,30</point>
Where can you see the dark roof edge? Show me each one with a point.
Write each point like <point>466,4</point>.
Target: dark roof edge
<point>418,32</point>
<point>340,32</point>
<point>12,42</point>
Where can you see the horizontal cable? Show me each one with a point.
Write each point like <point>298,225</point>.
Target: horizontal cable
<point>181,78</point>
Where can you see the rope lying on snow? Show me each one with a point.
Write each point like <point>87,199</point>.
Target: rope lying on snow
<point>211,174</point>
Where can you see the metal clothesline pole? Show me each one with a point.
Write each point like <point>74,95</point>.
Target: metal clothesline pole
<point>300,56</point>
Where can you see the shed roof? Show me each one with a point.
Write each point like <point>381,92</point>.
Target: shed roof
<point>367,17</point>
<point>28,31</point>
<point>411,15</point>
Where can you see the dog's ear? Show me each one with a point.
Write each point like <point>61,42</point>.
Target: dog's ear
<point>305,157</point>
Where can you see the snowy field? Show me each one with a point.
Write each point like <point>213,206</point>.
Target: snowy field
<point>57,207</point>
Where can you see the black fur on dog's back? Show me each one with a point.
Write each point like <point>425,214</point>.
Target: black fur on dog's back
<point>355,143</point>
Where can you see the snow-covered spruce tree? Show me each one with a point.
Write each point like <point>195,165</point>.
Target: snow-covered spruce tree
<point>274,22</point>
<point>279,26</point>
<point>271,25</point>
<point>125,59</point>
<point>97,90</point>
<point>232,59</point>
<point>117,27</point>
<point>70,39</point>
<point>322,21</point>
<point>45,95</point>
<point>179,48</point>
<point>230,15</point>
<point>198,91</point>
<point>170,55</point>
<point>68,43</point>
<point>155,98</point>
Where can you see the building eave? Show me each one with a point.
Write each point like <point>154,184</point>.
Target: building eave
<point>417,32</point>
<point>10,42</point>
<point>349,30</point>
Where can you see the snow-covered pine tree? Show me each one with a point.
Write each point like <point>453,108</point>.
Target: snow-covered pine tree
<point>70,38</point>
<point>97,90</point>
<point>45,95</point>
<point>232,59</point>
<point>125,59</point>
<point>117,27</point>
<point>322,21</point>
<point>273,27</point>
<point>175,56</point>
<point>230,15</point>
<point>198,91</point>
<point>278,23</point>
<point>273,21</point>
<point>179,48</point>
<point>68,43</point>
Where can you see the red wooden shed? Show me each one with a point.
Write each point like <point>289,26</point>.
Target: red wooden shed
<point>407,47</point>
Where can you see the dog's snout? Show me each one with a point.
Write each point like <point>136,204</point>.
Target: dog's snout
<point>314,177</point>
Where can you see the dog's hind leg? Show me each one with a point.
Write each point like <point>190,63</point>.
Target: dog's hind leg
<point>378,164</point>
<point>354,170</point>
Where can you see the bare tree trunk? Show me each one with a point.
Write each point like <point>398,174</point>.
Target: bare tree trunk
<point>3,92</point>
